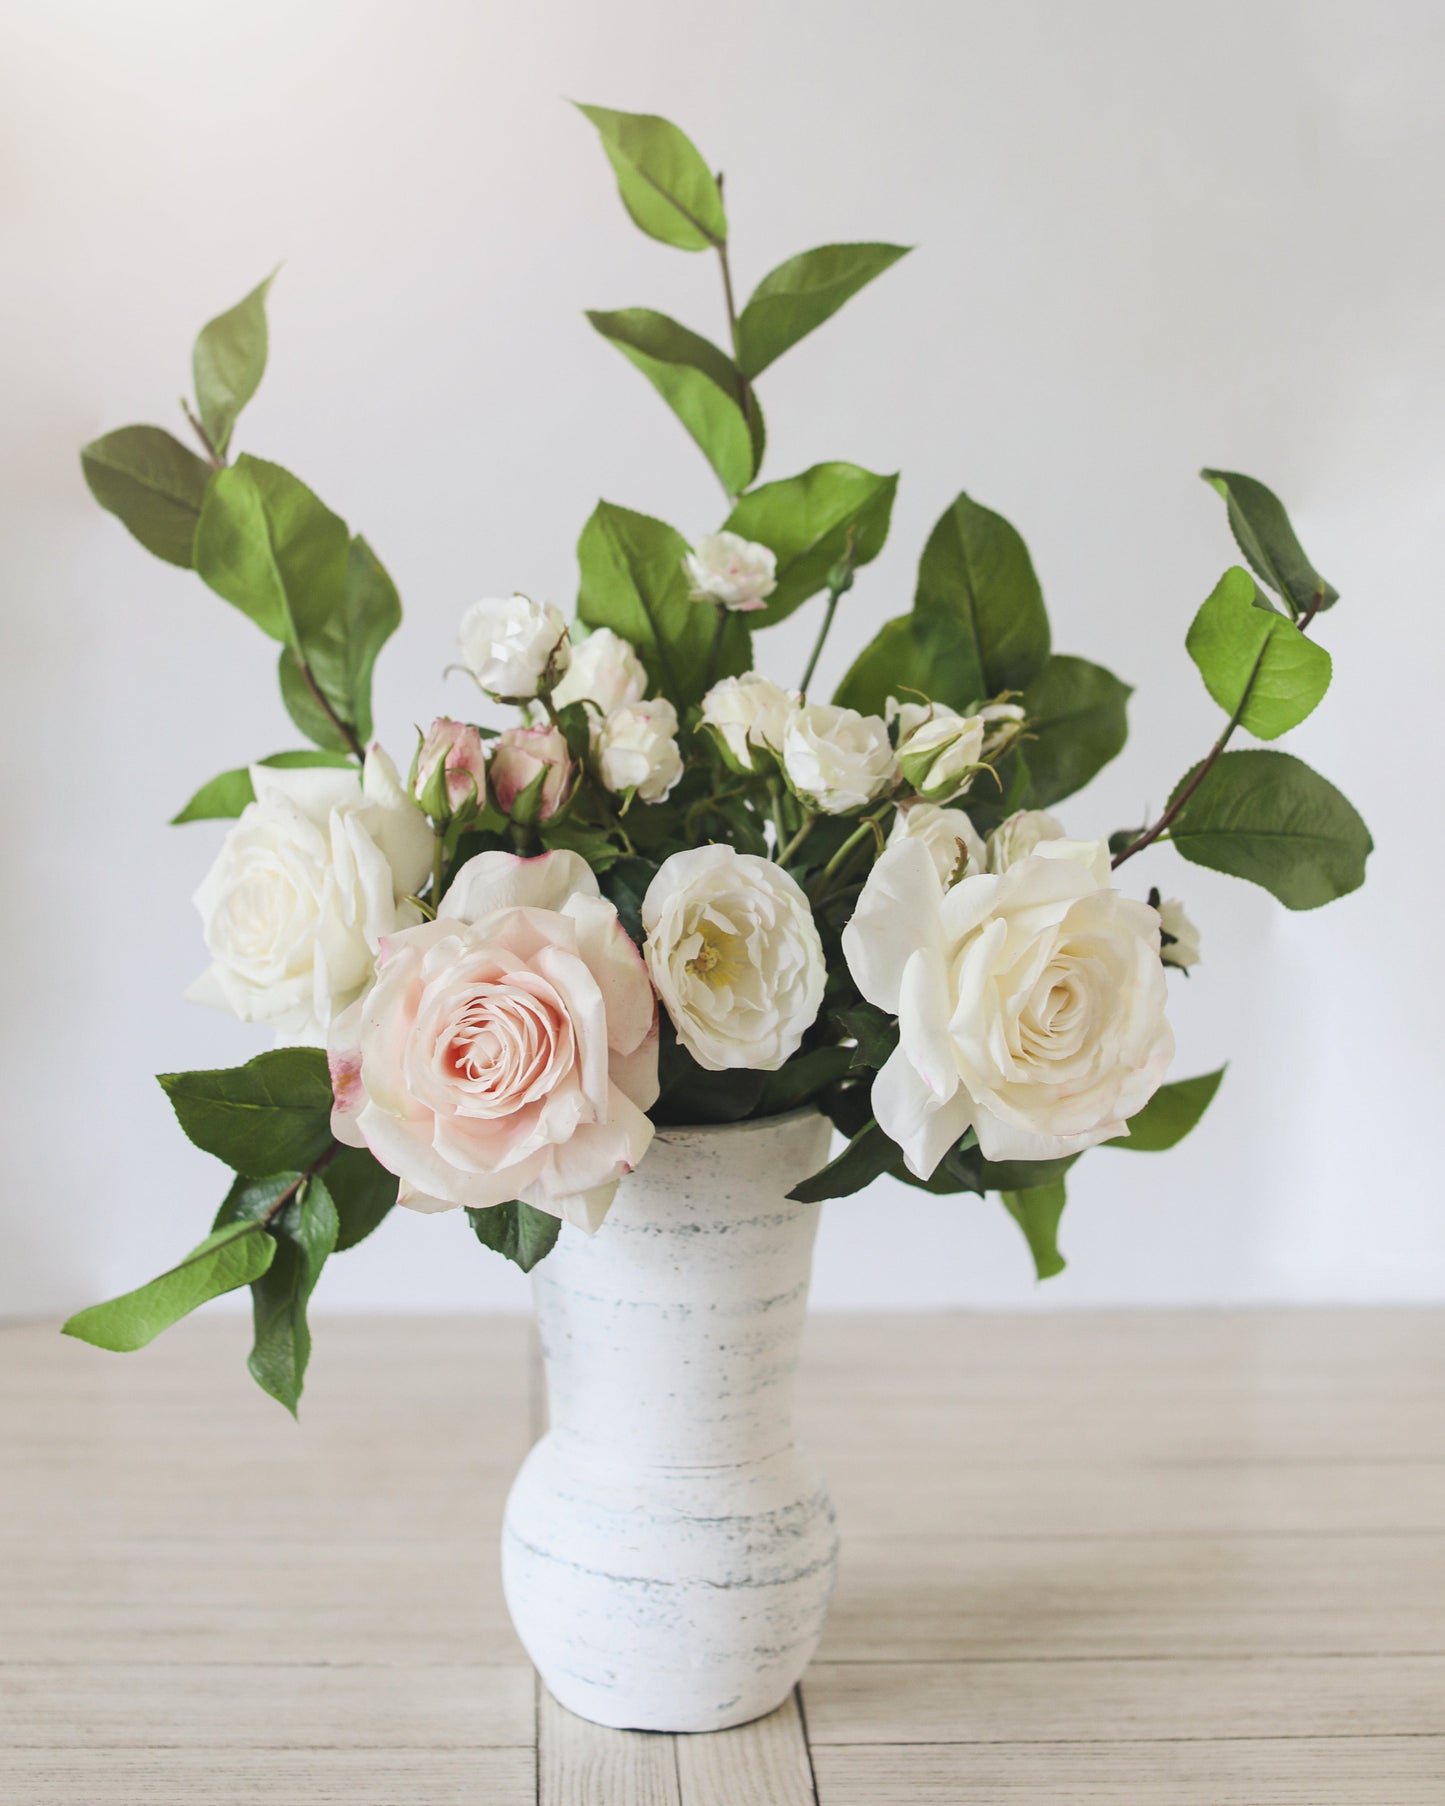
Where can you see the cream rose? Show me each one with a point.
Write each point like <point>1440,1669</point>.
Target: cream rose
<point>837,760</point>
<point>952,840</point>
<point>311,876</point>
<point>513,646</point>
<point>735,956</point>
<point>1030,1006</point>
<point>1179,938</point>
<point>746,717</point>
<point>605,670</point>
<point>1019,836</point>
<point>508,1049</point>
<point>731,571</point>
<point>636,750</point>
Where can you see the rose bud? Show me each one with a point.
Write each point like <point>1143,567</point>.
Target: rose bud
<point>531,773</point>
<point>514,647</point>
<point>730,571</point>
<point>837,760</point>
<point>1178,937</point>
<point>636,751</point>
<point>605,670</point>
<point>746,716</point>
<point>450,768</point>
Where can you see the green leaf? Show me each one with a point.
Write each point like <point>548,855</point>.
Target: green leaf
<point>152,484</point>
<point>868,1155</point>
<point>525,1235</point>
<point>342,653</point>
<point>270,1115</point>
<point>228,363</point>
<point>873,1029</point>
<point>794,299</point>
<point>362,1190</point>
<point>979,607</point>
<point>230,1257</point>
<point>895,662</point>
<point>1037,1212</point>
<point>1267,817</point>
<point>1078,721</point>
<point>664,182</point>
<point>803,1077</point>
<point>701,385</point>
<point>1169,1115</point>
<point>226,796</point>
<point>689,1093</point>
<point>805,520</point>
<point>974,1173</point>
<point>633,582</point>
<point>1254,661</point>
<point>305,1231</point>
<point>1263,533</point>
<point>271,548</point>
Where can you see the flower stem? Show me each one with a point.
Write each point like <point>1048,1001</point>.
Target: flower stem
<point>714,653</point>
<point>797,840</point>
<point>832,609</point>
<point>869,825</point>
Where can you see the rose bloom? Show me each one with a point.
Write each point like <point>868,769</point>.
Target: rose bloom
<point>956,848</point>
<point>1020,836</point>
<point>734,572</point>
<point>837,760</point>
<point>735,956</point>
<point>1030,1006</point>
<point>513,646</point>
<point>310,877</point>
<point>507,1050</point>
<point>520,756</point>
<point>746,716</point>
<point>636,750</point>
<point>605,670</point>
<point>460,746</point>
<point>1181,947</point>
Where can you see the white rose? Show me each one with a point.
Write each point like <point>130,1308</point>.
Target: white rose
<point>1030,1006</point>
<point>731,571</point>
<point>837,759</point>
<point>746,715</point>
<point>952,840</point>
<point>1179,938</point>
<point>735,956</point>
<point>513,646</point>
<point>605,670</point>
<point>1017,837</point>
<point>309,879</point>
<point>636,750</point>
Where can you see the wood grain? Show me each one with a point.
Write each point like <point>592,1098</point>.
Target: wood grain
<point>580,1764</point>
<point>766,1761</point>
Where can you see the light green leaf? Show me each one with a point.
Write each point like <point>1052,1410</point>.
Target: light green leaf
<point>1078,721</point>
<point>1169,1115</point>
<point>342,653</point>
<point>228,363</point>
<point>1254,660</point>
<point>1263,533</point>
<point>701,384</point>
<point>664,182</point>
<point>152,484</point>
<point>794,299</point>
<point>979,607</point>
<point>1267,817</point>
<point>228,1258</point>
<point>804,521</point>
<point>1037,1212</point>
<point>633,582</point>
<point>363,1192</point>
<point>271,1115</point>
<point>272,549</point>
<point>305,1232</point>
<point>227,795</point>
<point>524,1235</point>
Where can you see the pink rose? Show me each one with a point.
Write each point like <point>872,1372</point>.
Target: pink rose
<point>507,1049</point>
<point>519,757</point>
<point>460,745</point>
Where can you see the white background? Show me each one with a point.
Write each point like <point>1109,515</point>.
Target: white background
<point>1151,237</point>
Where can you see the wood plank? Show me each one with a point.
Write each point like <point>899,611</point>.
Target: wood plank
<point>582,1764</point>
<point>339,1777</point>
<point>765,1761</point>
<point>1334,1771</point>
<point>1068,1701</point>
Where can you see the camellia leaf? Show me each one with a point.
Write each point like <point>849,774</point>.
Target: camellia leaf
<point>1268,817</point>
<point>895,662</point>
<point>1169,1115</point>
<point>228,363</point>
<point>1037,1212</point>
<point>271,1115</point>
<point>803,1077</point>
<point>633,582</point>
<point>867,1156</point>
<point>1253,661</point>
<point>1263,533</point>
<point>798,296</point>
<point>805,521</point>
<point>1078,722</point>
<point>973,1173</point>
<point>229,1257</point>
<point>271,548</point>
<point>664,182</point>
<point>362,1190</point>
<point>979,607</point>
<point>342,654</point>
<point>701,384</point>
<point>522,1233</point>
<point>152,484</point>
<point>227,795</point>
<point>305,1232</point>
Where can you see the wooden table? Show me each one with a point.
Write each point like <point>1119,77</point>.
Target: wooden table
<point>1155,1557</point>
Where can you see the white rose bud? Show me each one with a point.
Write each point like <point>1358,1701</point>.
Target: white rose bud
<point>952,840</point>
<point>1179,938</point>
<point>1017,837</point>
<point>636,750</point>
<point>837,760</point>
<point>514,647</point>
<point>731,571</point>
<point>735,957</point>
<point>605,670</point>
<point>938,751</point>
<point>746,717</point>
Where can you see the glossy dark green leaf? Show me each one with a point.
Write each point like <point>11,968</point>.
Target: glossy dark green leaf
<point>1037,1212</point>
<point>228,363</point>
<point>1078,722</point>
<point>152,484</point>
<point>1254,661</point>
<point>518,1231</point>
<point>305,1232</point>
<point>1267,817</point>
<point>227,795</point>
<point>895,662</point>
<point>867,1156</point>
<point>342,653</point>
<point>802,1078</point>
<point>798,296</point>
<point>1262,531</point>
<point>271,1115</point>
<point>271,548</point>
<point>805,521</point>
<point>1169,1115</point>
<point>229,1257</point>
<point>363,1192</point>
<point>974,1173</point>
<point>663,179</point>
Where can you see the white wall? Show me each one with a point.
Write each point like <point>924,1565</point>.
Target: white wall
<point>1152,236</point>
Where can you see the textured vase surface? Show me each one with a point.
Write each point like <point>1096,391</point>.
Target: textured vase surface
<point>669,1551</point>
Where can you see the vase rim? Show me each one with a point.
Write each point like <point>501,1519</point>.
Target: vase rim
<point>744,1124</point>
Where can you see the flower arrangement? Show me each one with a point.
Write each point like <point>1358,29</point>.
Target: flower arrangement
<point>675,890</point>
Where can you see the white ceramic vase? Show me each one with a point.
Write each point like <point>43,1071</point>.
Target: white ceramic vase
<point>669,1551</point>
